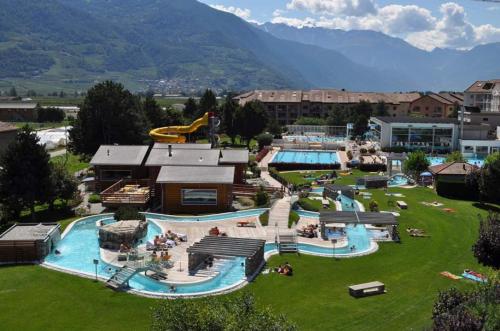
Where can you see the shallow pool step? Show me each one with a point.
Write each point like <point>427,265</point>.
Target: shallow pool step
<point>121,277</point>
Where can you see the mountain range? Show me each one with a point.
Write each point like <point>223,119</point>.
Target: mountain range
<point>187,45</point>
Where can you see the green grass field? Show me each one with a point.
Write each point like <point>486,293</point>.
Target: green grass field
<point>297,177</point>
<point>72,162</point>
<point>316,297</point>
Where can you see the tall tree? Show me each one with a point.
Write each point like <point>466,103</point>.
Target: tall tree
<point>12,92</point>
<point>489,181</point>
<point>25,174</point>
<point>381,109</point>
<point>456,156</point>
<point>359,116</point>
<point>416,163</point>
<point>487,247</point>
<point>190,109</point>
<point>228,113</point>
<point>153,112</point>
<point>337,117</point>
<point>274,128</point>
<point>208,103</point>
<point>217,313</point>
<point>251,120</point>
<point>109,115</point>
<point>63,184</point>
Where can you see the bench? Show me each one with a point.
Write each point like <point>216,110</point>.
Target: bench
<point>366,289</point>
<point>402,204</point>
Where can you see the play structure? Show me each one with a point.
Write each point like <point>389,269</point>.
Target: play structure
<point>175,134</point>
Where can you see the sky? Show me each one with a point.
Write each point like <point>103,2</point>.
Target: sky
<point>426,24</point>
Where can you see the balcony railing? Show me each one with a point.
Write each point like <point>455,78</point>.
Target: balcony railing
<point>127,192</point>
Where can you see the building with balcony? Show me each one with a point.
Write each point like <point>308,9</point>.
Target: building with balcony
<point>440,105</point>
<point>483,96</point>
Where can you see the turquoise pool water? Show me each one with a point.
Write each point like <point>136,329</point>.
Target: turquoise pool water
<point>312,157</point>
<point>80,247</point>
<point>314,139</point>
<point>436,160</point>
<point>206,218</point>
<point>318,190</point>
<point>397,180</point>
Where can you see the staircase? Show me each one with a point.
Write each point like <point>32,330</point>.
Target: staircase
<point>121,277</point>
<point>287,242</point>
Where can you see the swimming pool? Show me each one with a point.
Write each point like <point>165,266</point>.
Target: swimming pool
<point>437,160</point>
<point>314,139</point>
<point>311,157</point>
<point>80,247</point>
<point>397,180</point>
<point>207,218</point>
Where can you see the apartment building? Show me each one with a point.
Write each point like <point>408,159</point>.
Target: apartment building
<point>286,106</point>
<point>435,105</point>
<point>483,96</point>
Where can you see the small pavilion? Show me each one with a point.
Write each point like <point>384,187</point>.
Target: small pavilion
<point>211,246</point>
<point>353,217</point>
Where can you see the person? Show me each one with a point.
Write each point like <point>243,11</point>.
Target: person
<point>172,289</point>
<point>57,252</point>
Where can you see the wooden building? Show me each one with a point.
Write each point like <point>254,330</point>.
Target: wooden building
<point>28,243</point>
<point>450,179</point>
<point>196,189</point>
<point>18,112</point>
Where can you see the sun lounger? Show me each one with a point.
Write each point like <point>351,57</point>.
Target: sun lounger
<point>246,224</point>
<point>474,277</point>
<point>402,204</point>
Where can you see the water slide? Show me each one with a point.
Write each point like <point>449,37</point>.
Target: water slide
<point>173,134</point>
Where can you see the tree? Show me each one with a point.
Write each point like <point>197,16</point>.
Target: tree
<point>261,198</point>
<point>337,117</point>
<point>360,116</point>
<point>109,115</point>
<point>381,109</point>
<point>487,247</point>
<point>274,128</point>
<point>228,113</point>
<point>493,157</point>
<point>208,103</point>
<point>250,120</point>
<point>264,139</point>
<point>25,174</point>
<point>456,156</point>
<point>310,121</point>
<point>63,185</point>
<point>472,310</point>
<point>153,112</point>
<point>190,109</point>
<point>217,313</point>
<point>50,114</point>
<point>416,163</point>
<point>489,181</point>
<point>373,206</point>
<point>12,92</point>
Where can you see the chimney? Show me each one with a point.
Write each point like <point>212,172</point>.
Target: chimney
<point>169,150</point>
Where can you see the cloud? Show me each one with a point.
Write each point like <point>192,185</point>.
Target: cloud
<point>334,7</point>
<point>415,24</point>
<point>244,13</point>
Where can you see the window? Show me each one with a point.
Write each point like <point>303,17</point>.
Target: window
<point>115,174</point>
<point>197,197</point>
<point>482,149</point>
<point>468,149</point>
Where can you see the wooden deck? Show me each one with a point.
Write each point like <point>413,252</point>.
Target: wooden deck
<point>127,192</point>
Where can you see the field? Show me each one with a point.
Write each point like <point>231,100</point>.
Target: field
<point>316,297</point>
<point>71,162</point>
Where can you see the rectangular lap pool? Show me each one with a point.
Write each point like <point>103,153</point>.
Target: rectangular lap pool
<point>309,157</point>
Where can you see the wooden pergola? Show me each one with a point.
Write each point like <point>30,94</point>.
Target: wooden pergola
<point>251,249</point>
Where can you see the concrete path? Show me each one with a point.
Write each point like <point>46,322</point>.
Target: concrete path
<point>278,215</point>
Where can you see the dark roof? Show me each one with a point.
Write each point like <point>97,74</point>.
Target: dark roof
<point>227,246</point>
<point>416,120</point>
<point>7,127</point>
<point>439,98</point>
<point>233,156</point>
<point>375,178</point>
<point>452,168</point>
<point>17,105</point>
<point>196,175</point>
<point>357,217</point>
<point>336,187</point>
<point>119,155</point>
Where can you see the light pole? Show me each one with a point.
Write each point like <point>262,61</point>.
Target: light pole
<point>334,241</point>
<point>96,262</point>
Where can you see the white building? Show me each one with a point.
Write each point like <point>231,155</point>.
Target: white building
<point>483,95</point>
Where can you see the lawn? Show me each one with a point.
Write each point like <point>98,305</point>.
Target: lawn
<point>316,297</point>
<point>72,162</point>
<point>297,177</point>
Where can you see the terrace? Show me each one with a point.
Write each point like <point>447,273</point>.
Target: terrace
<point>135,192</point>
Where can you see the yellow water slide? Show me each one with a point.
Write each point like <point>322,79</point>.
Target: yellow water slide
<point>172,134</point>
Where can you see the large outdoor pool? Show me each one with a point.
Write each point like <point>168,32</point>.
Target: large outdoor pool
<point>314,139</point>
<point>436,160</point>
<point>312,157</point>
<point>207,218</point>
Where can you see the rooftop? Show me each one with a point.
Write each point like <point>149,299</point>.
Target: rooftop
<point>452,168</point>
<point>439,98</point>
<point>185,157</point>
<point>416,120</point>
<point>17,105</point>
<point>29,231</point>
<point>233,156</point>
<point>196,175</point>
<point>483,86</point>
<point>182,146</point>
<point>227,246</point>
<point>119,155</point>
<point>7,127</point>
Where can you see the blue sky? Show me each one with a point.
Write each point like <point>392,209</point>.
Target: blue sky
<point>427,24</point>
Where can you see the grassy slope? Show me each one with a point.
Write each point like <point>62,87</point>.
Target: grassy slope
<point>73,162</point>
<point>297,177</point>
<point>315,297</point>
